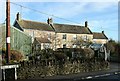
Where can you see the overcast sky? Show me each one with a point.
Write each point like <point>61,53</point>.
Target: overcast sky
<point>100,15</point>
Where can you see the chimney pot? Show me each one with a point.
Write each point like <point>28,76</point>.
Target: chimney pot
<point>50,21</point>
<point>102,31</point>
<point>86,24</point>
<point>18,16</point>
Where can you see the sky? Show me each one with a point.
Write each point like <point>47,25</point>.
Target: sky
<point>101,16</point>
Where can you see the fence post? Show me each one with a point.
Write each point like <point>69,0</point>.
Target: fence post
<point>15,74</point>
<point>4,74</point>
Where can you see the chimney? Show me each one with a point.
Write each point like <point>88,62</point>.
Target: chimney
<point>50,21</point>
<point>18,16</point>
<point>102,31</point>
<point>86,24</point>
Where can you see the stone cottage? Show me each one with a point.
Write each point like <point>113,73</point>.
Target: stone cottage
<point>56,35</point>
<point>100,37</point>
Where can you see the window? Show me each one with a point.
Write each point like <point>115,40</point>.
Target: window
<point>64,36</point>
<point>74,37</point>
<point>84,38</point>
<point>64,45</point>
<point>38,46</point>
<point>46,46</point>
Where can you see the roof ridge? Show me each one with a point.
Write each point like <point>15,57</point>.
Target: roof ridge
<point>97,32</point>
<point>33,21</point>
<point>53,23</point>
<point>69,24</point>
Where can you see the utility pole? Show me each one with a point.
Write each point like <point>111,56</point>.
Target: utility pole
<point>8,31</point>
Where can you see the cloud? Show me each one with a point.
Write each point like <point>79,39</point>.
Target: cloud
<point>108,25</point>
<point>66,10</point>
<point>69,10</point>
<point>101,6</point>
<point>100,15</point>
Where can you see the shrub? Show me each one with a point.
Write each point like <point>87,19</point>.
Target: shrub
<point>59,55</point>
<point>111,46</point>
<point>117,49</point>
<point>88,53</point>
<point>66,51</point>
<point>16,55</point>
<point>114,47</point>
<point>46,53</point>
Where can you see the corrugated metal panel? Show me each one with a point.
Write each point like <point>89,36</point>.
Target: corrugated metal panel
<point>19,40</point>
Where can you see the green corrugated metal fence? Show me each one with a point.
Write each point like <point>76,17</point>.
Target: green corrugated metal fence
<point>19,40</point>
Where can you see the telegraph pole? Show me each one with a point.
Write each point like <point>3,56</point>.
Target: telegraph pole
<point>7,31</point>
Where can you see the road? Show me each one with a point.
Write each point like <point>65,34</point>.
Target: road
<point>103,77</point>
<point>113,75</point>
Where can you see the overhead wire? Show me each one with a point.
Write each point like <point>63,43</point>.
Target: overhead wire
<point>44,13</point>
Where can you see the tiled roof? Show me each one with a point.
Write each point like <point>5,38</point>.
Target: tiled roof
<point>27,24</point>
<point>66,28</point>
<point>42,40</point>
<point>97,35</point>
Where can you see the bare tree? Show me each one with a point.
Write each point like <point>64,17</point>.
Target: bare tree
<point>55,41</point>
<point>79,42</point>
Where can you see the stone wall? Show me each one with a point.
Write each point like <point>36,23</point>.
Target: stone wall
<point>57,39</point>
